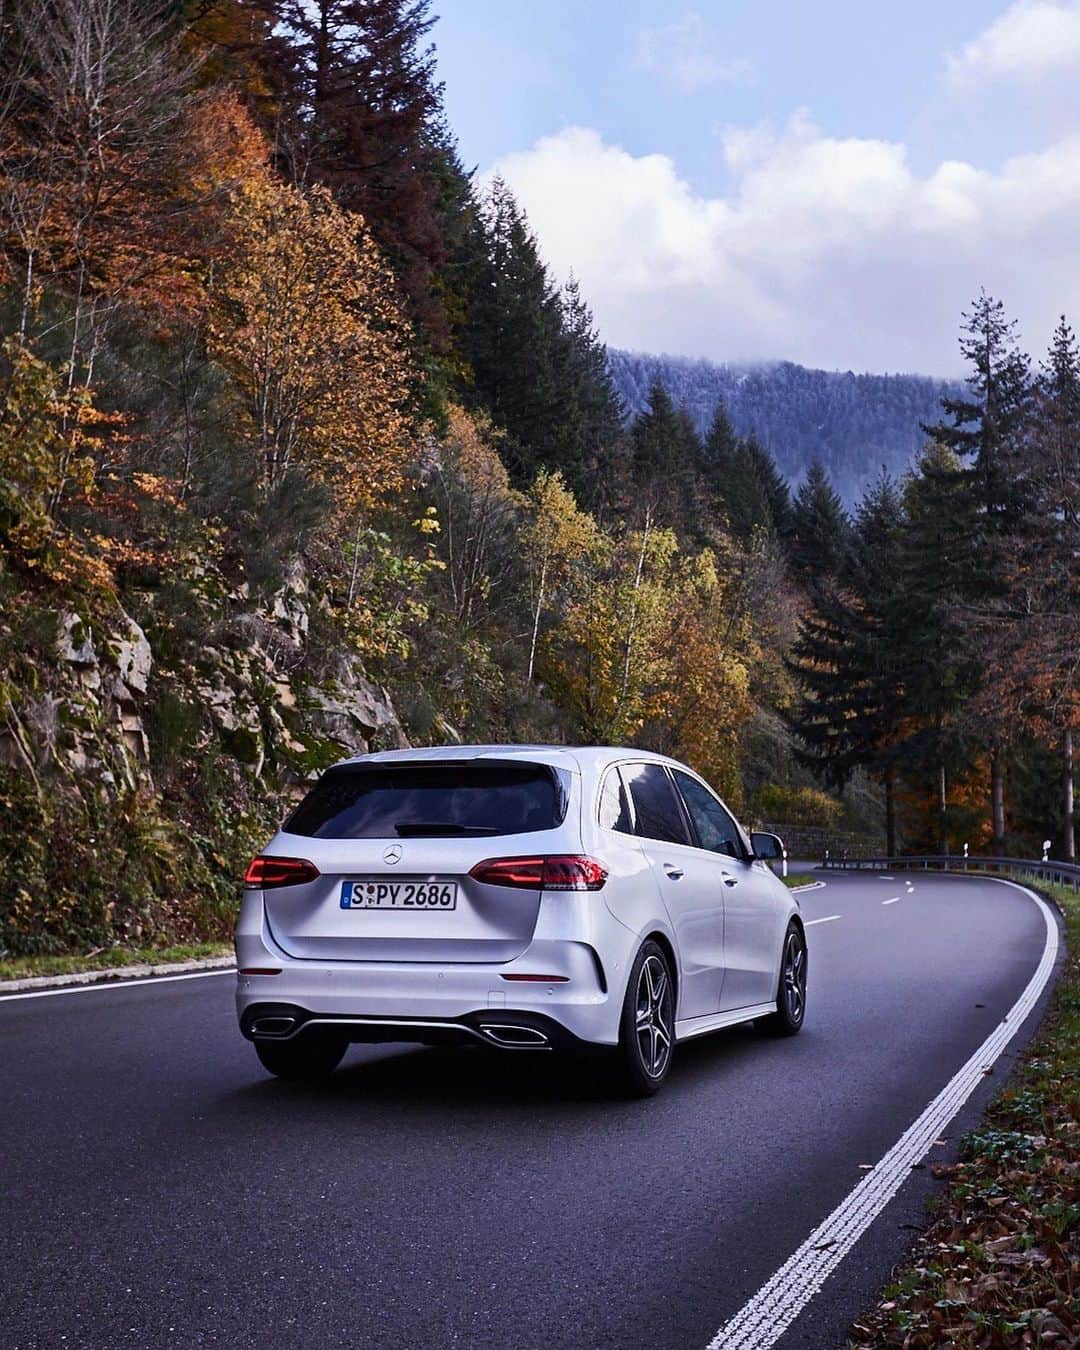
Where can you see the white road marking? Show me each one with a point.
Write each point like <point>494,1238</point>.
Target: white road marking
<point>117,984</point>
<point>762,1321</point>
<point>892,901</point>
<point>883,877</point>
<point>827,919</point>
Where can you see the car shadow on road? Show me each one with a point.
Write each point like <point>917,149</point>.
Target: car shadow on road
<point>424,1078</point>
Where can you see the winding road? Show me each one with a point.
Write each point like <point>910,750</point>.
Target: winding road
<point>158,1189</point>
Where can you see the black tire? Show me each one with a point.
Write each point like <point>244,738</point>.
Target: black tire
<point>305,1059</point>
<point>790,1011</point>
<point>647,1027</point>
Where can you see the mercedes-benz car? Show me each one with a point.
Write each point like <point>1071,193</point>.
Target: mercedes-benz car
<point>528,899</point>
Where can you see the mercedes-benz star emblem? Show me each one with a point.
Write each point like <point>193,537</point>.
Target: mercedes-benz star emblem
<point>392,854</point>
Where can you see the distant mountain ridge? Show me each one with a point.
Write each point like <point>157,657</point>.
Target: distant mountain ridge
<point>853,423</point>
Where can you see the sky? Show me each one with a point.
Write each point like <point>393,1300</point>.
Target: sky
<point>822,181</point>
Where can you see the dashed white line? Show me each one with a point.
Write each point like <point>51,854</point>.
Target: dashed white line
<point>827,919</point>
<point>762,1321</point>
<point>892,901</point>
<point>117,984</point>
<point>883,877</point>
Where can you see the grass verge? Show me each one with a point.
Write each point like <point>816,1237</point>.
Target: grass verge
<point>999,1264</point>
<point>794,879</point>
<point>20,967</point>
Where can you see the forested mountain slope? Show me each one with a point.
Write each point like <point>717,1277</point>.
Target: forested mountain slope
<point>854,424</point>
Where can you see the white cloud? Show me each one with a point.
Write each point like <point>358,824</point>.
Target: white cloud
<point>678,52</point>
<point>1032,40</point>
<point>828,251</point>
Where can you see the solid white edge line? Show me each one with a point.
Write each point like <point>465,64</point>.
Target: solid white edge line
<point>117,984</point>
<point>764,1319</point>
<point>809,923</point>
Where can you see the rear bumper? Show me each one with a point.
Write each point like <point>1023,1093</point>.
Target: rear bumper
<point>509,1029</point>
<point>435,1003</point>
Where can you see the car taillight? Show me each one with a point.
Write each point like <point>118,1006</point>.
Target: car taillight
<point>270,872</point>
<point>561,872</point>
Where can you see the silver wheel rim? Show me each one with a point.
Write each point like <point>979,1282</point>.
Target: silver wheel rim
<point>653,1009</point>
<point>794,980</point>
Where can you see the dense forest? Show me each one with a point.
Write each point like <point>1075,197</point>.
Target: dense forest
<point>854,425</point>
<point>303,453</point>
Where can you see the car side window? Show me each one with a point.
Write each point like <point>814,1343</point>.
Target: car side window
<point>716,829</point>
<point>656,804</point>
<point>614,808</point>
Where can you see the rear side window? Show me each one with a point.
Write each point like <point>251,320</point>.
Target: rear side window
<point>656,806</point>
<point>614,808</point>
<point>404,801</point>
<point>716,829</point>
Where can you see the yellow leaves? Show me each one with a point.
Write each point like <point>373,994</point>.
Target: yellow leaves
<point>479,511</point>
<point>648,648</point>
<point>304,320</point>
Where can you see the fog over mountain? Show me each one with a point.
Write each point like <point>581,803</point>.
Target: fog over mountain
<point>853,423</point>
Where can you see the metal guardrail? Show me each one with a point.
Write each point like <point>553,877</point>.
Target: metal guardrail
<point>1057,873</point>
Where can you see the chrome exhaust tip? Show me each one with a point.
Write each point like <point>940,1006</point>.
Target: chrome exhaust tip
<point>272,1026</point>
<point>509,1037</point>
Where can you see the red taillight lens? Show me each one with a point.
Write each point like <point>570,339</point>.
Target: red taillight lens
<point>573,873</point>
<point>563,872</point>
<point>270,872</point>
<point>525,873</point>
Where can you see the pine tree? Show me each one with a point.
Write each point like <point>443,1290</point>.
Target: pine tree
<point>755,495</point>
<point>665,453</point>
<point>820,528</point>
<point>719,450</point>
<point>848,656</point>
<point>361,114</point>
<point>986,428</point>
<point>513,337</point>
<point>591,413</point>
<point>939,562</point>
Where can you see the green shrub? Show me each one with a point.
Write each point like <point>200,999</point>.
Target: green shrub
<point>797,806</point>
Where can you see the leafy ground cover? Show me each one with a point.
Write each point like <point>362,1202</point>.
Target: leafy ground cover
<point>20,967</point>
<point>999,1264</point>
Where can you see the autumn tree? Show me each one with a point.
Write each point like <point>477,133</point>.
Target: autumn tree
<point>703,696</point>
<point>304,321</point>
<point>604,659</point>
<point>478,510</point>
<point>559,542</point>
<point>92,98</point>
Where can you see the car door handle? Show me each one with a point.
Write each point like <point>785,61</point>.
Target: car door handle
<point>729,880</point>
<point>673,872</point>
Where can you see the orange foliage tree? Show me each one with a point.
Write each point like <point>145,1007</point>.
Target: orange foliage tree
<point>302,318</point>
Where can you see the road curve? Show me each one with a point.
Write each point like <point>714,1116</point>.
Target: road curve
<point>159,1189</point>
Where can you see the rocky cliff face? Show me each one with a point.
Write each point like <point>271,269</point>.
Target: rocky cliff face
<point>159,742</point>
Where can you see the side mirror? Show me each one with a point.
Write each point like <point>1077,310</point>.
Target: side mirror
<point>768,846</point>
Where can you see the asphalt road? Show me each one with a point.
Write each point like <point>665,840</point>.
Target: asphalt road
<point>158,1189</point>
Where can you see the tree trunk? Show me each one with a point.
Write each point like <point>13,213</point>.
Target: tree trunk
<point>997,802</point>
<point>943,803</point>
<point>1070,823</point>
<point>536,621</point>
<point>890,812</point>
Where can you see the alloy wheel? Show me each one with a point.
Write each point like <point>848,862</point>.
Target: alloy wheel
<point>794,978</point>
<point>654,1016</point>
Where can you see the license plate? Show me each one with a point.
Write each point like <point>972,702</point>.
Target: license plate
<point>368,893</point>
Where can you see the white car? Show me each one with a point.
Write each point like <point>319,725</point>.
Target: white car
<point>526,898</point>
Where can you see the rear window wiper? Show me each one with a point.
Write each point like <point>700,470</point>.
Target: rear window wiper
<point>437,828</point>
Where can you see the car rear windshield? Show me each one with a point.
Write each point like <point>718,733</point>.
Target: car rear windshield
<point>431,801</point>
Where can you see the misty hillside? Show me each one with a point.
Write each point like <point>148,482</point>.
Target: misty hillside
<point>853,423</point>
